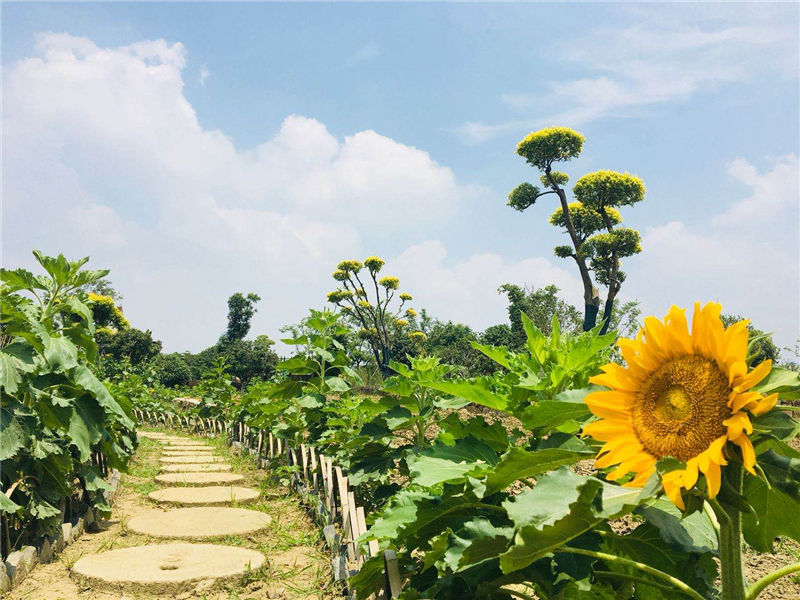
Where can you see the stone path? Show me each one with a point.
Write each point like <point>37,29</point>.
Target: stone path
<point>159,567</point>
<point>220,547</point>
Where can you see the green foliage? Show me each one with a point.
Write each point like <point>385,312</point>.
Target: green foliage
<point>241,309</point>
<point>540,306</point>
<point>133,344</point>
<point>544,147</point>
<point>55,413</point>
<point>586,220</point>
<point>106,313</point>
<point>172,369</point>
<point>523,196</point>
<point>602,190</point>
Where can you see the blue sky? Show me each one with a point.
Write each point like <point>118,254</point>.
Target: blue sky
<point>201,149</point>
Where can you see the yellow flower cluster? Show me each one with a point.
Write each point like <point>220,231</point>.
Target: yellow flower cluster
<point>411,313</point>
<point>418,336</point>
<point>406,297</point>
<point>373,263</point>
<point>364,304</point>
<point>350,266</point>
<point>390,283</point>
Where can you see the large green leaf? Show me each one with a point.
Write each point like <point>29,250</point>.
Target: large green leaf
<point>691,533</point>
<point>440,463</point>
<point>498,354</point>
<point>7,505</point>
<point>549,414</point>
<point>773,515</point>
<point>86,379</point>
<point>85,426</point>
<point>561,507</point>
<point>16,427</point>
<point>477,541</point>
<point>60,353</point>
<point>15,360</point>
<point>783,381</point>
<point>519,464</point>
<point>477,390</point>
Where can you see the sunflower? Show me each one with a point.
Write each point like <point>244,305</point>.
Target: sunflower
<point>683,394</point>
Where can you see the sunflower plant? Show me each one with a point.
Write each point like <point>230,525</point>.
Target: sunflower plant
<point>686,411</point>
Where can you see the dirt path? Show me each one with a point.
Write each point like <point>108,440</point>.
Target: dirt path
<point>296,567</point>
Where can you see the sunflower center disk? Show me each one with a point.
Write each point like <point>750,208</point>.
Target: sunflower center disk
<point>681,407</point>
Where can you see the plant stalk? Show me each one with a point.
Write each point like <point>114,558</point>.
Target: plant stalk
<point>730,538</point>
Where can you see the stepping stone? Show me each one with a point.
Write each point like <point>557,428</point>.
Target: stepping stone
<point>192,458</point>
<point>192,452</point>
<point>205,496</point>
<point>196,479</point>
<point>153,435</point>
<point>165,568</point>
<point>200,522</point>
<point>196,468</point>
<point>183,442</point>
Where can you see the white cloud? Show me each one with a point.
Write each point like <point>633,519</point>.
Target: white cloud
<point>465,290</point>
<point>106,157</point>
<point>204,74</point>
<point>366,53</point>
<point>772,194</point>
<point>654,61</point>
<point>747,258</point>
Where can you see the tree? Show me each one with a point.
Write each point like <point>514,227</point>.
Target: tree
<point>172,369</point>
<point>598,242</point>
<point>106,313</point>
<point>241,309</point>
<point>131,343</point>
<point>540,306</point>
<point>380,323</point>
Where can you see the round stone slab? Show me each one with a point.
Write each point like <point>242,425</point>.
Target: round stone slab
<point>196,468</point>
<point>196,478</point>
<point>165,568</point>
<point>192,458</point>
<point>200,522</point>
<point>205,496</point>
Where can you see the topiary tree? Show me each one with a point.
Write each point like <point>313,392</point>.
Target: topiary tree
<point>370,306</point>
<point>593,223</point>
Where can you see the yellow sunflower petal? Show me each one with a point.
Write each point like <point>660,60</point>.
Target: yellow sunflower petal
<point>743,400</point>
<point>748,452</point>
<point>736,337</point>
<point>714,479</point>
<point>745,382</point>
<point>607,429</point>
<point>678,328</point>
<point>736,424</point>
<point>673,491</point>
<point>618,378</point>
<point>765,405</point>
<point>690,473</point>
<point>612,404</point>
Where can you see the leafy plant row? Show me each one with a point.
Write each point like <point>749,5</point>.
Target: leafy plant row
<point>60,428</point>
<point>484,487</point>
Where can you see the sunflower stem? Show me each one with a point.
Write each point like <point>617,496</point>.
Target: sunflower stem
<point>730,539</point>
<point>639,566</point>
<point>754,590</point>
